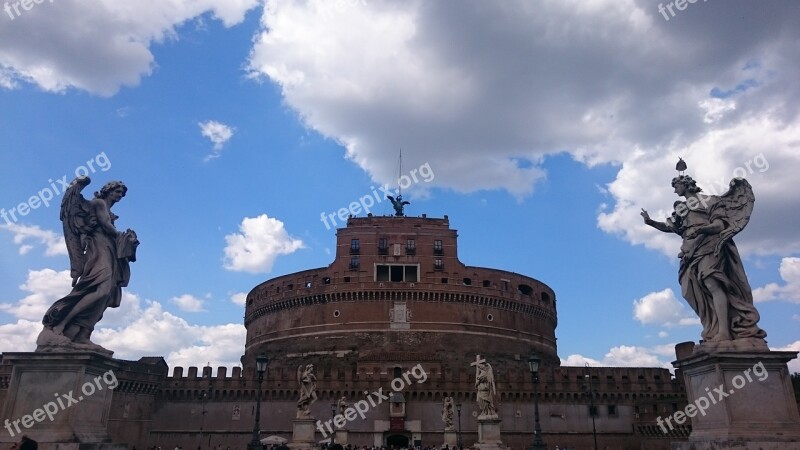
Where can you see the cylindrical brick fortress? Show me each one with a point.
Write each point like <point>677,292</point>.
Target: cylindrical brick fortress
<point>397,285</point>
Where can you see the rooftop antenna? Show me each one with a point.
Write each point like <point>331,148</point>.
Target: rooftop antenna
<point>398,203</point>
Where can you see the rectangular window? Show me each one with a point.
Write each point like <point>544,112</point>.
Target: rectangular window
<point>355,245</point>
<point>612,410</point>
<point>383,246</point>
<point>437,247</point>
<point>411,274</point>
<point>397,273</point>
<point>438,264</point>
<point>354,262</point>
<point>382,273</point>
<point>411,247</point>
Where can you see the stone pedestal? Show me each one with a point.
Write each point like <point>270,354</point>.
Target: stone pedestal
<point>450,439</point>
<point>303,434</point>
<point>489,435</point>
<point>341,436</point>
<point>742,400</point>
<point>63,398</point>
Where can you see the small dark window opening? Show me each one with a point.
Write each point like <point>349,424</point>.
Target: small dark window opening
<point>524,289</point>
<point>383,246</point>
<point>445,280</point>
<point>396,273</point>
<point>326,280</point>
<point>346,279</point>
<point>355,246</point>
<point>398,372</point>
<point>487,283</point>
<point>354,262</point>
<point>467,282</point>
<point>612,410</point>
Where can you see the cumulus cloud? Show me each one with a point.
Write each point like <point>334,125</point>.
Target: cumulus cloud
<point>188,303</point>
<point>27,236</point>
<point>97,45</point>
<point>260,241</point>
<point>627,356</point>
<point>663,309</point>
<point>218,133</point>
<point>239,298</point>
<point>133,330</point>
<point>608,81</point>
<point>158,332</point>
<point>789,291</point>
<point>43,287</point>
<point>794,365</point>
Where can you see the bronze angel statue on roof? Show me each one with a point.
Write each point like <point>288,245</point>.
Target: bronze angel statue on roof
<point>711,273</point>
<point>99,258</point>
<point>398,204</point>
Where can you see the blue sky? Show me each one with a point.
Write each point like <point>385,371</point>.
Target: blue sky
<point>236,124</point>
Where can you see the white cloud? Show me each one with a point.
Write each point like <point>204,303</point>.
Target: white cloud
<point>790,290</point>
<point>53,243</point>
<point>44,287</point>
<point>794,365</point>
<point>20,336</point>
<point>663,309</point>
<point>663,334</point>
<point>239,298</point>
<point>609,82</point>
<point>97,46</point>
<point>131,331</point>
<point>158,332</point>
<point>260,241</point>
<point>627,356</point>
<point>188,303</point>
<point>218,133</point>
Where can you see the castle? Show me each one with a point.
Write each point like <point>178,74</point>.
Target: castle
<point>395,298</point>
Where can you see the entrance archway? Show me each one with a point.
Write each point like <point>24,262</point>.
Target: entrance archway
<point>397,440</point>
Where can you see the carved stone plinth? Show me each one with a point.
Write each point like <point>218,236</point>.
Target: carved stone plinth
<point>341,436</point>
<point>450,439</point>
<point>65,399</point>
<point>746,398</point>
<point>489,435</point>
<point>303,434</point>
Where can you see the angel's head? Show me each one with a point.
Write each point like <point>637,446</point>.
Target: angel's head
<point>684,184</point>
<point>117,187</point>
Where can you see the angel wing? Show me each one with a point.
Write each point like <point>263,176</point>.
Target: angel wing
<point>738,203</point>
<point>405,203</point>
<point>391,199</point>
<point>300,376</point>
<point>78,221</point>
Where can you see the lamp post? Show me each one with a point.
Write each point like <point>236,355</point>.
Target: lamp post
<point>533,365</point>
<point>460,444</point>
<point>588,380</point>
<point>333,417</point>
<point>261,367</point>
